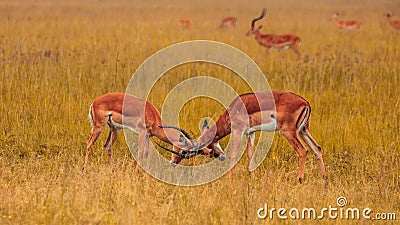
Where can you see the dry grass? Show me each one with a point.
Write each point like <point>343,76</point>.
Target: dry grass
<point>352,80</point>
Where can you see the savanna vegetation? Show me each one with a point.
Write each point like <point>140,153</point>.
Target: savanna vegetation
<point>57,56</point>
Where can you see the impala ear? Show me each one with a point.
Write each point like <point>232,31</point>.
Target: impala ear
<point>259,27</point>
<point>204,127</point>
<point>182,140</point>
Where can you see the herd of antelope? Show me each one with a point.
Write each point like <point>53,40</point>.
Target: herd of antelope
<point>270,111</point>
<point>287,41</point>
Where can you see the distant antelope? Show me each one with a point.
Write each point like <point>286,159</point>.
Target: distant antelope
<point>393,22</point>
<point>345,24</point>
<point>184,23</point>
<point>138,116</point>
<point>229,22</point>
<point>274,41</point>
<point>264,111</point>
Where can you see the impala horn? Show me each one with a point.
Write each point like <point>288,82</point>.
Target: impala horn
<point>183,132</point>
<point>258,18</point>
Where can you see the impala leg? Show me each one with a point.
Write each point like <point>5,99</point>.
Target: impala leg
<point>268,51</point>
<point>250,145</point>
<point>112,137</point>
<point>142,149</point>
<point>293,139</point>
<point>96,131</point>
<point>250,151</point>
<point>309,140</point>
<point>237,138</point>
<point>175,159</point>
<point>295,48</point>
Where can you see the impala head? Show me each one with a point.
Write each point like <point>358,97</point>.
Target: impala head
<point>388,15</point>
<point>334,16</point>
<point>188,147</point>
<point>253,30</point>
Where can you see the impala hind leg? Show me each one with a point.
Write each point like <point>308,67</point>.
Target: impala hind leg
<point>143,148</point>
<point>112,137</point>
<point>293,139</point>
<point>96,131</point>
<point>309,140</point>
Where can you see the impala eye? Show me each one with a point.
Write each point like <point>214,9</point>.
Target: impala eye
<point>272,116</point>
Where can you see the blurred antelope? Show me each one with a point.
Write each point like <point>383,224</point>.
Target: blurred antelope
<point>345,24</point>
<point>393,22</point>
<point>265,111</point>
<point>138,116</point>
<point>184,23</point>
<point>229,22</point>
<point>273,41</point>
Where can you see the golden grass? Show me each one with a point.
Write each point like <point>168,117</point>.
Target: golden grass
<point>351,79</point>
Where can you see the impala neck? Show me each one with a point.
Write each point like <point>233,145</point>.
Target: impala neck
<point>258,36</point>
<point>168,135</point>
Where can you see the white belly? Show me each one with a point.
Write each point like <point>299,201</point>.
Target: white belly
<point>270,127</point>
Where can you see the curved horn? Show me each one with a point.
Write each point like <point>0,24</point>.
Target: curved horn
<point>183,154</point>
<point>198,148</point>
<point>169,150</point>
<point>258,18</point>
<point>179,129</point>
<point>183,132</point>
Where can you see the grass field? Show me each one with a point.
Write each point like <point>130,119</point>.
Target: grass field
<point>57,56</point>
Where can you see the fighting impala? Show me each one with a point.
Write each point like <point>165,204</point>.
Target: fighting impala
<point>274,41</point>
<point>393,22</point>
<point>345,24</point>
<point>229,22</point>
<point>265,111</point>
<point>137,115</point>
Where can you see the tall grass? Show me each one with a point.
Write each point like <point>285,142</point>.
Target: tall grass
<point>56,57</point>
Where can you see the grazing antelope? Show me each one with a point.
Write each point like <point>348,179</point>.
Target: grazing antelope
<point>138,116</point>
<point>393,22</point>
<point>265,111</point>
<point>228,23</point>
<point>348,24</point>
<point>274,41</point>
<point>184,23</point>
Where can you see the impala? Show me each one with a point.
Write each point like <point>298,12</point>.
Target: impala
<point>348,24</point>
<point>229,22</point>
<point>252,112</point>
<point>184,23</point>
<point>274,41</point>
<point>137,115</point>
<point>393,22</point>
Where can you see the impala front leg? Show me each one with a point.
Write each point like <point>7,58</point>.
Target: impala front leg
<point>237,138</point>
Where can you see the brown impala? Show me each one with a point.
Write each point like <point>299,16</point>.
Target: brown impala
<point>184,23</point>
<point>254,112</point>
<point>346,24</point>
<point>229,22</point>
<point>274,41</point>
<point>139,116</point>
<point>393,22</point>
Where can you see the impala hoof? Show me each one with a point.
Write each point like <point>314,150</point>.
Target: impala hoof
<point>222,157</point>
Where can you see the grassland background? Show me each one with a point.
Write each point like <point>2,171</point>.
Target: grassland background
<point>351,79</point>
